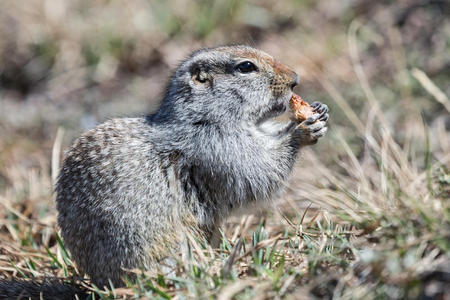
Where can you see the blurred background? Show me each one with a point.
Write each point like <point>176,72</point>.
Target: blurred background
<point>383,68</point>
<point>73,64</point>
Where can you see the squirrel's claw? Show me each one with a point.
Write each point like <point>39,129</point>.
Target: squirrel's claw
<point>324,117</point>
<point>319,107</point>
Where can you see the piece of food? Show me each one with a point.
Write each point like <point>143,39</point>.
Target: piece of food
<point>300,108</point>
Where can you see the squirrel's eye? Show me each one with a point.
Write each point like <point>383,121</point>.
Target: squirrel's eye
<point>246,67</point>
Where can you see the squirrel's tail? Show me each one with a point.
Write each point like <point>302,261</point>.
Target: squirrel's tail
<point>46,289</point>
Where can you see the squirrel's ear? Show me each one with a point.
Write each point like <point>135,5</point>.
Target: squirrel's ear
<point>199,76</point>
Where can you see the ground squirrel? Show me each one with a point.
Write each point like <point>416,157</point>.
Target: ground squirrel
<point>130,188</point>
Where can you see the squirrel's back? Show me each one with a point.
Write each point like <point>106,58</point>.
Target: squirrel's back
<point>113,200</point>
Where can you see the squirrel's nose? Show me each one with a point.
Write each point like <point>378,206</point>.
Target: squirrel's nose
<point>294,81</point>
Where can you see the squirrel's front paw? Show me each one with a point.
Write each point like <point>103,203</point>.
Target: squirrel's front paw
<point>313,128</point>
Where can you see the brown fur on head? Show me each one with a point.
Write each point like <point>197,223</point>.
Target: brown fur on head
<point>224,91</point>
<point>282,75</point>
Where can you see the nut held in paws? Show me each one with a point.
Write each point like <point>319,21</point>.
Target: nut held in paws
<point>300,108</point>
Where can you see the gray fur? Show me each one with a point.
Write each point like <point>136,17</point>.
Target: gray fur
<point>49,289</point>
<point>130,188</point>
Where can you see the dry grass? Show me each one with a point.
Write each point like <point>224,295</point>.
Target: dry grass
<point>366,214</point>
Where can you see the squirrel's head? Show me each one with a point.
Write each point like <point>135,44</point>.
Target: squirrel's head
<point>227,84</point>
